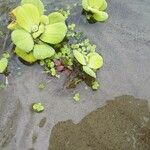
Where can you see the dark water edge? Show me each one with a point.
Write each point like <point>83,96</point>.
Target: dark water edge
<point>123,123</point>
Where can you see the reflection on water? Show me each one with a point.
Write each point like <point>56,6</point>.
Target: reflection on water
<point>124,123</point>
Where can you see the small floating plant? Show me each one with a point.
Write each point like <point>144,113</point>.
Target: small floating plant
<point>53,42</point>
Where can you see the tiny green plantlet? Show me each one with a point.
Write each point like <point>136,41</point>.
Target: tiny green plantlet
<point>3,64</point>
<point>95,85</point>
<point>38,107</point>
<point>77,97</point>
<point>33,32</point>
<point>96,7</point>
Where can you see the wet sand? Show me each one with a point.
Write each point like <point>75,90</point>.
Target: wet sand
<point>124,123</point>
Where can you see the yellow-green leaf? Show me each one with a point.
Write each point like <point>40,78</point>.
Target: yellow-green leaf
<point>104,6</point>
<point>22,40</point>
<point>89,71</point>
<point>100,16</point>
<point>28,57</point>
<point>95,61</point>
<point>42,51</point>
<point>56,17</point>
<point>3,64</point>
<point>80,57</point>
<point>37,3</point>
<point>54,33</point>
<point>44,19</point>
<point>28,17</point>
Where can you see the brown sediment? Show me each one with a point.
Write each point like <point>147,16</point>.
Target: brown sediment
<point>123,123</point>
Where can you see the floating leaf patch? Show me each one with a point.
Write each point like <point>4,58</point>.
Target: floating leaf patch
<point>37,3</point>
<point>43,51</point>
<point>28,57</point>
<point>22,40</point>
<point>28,17</point>
<point>80,57</point>
<point>89,71</point>
<point>95,61</point>
<point>38,107</point>
<point>3,64</point>
<point>54,33</point>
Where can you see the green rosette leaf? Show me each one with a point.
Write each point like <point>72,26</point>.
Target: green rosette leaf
<point>28,57</point>
<point>42,51</point>
<point>100,16</point>
<point>22,40</point>
<point>56,17</point>
<point>104,6</point>
<point>54,33</point>
<point>37,3</point>
<point>80,57</point>
<point>89,71</point>
<point>44,19</point>
<point>95,61</point>
<point>28,17</point>
<point>3,64</point>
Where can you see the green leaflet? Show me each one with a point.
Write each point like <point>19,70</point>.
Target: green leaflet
<point>54,33</point>
<point>95,61</point>
<point>56,17</point>
<point>77,97</point>
<point>28,17</point>
<point>28,57</point>
<point>38,107</point>
<point>44,19</point>
<point>89,71</point>
<point>3,64</point>
<point>100,16</point>
<point>23,40</point>
<point>80,57</point>
<point>42,51</point>
<point>104,6</point>
<point>37,3</point>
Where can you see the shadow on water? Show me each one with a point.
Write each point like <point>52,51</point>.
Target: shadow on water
<point>124,123</point>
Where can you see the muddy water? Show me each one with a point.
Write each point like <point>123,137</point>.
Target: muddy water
<point>124,43</point>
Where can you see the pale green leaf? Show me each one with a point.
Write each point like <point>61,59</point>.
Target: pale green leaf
<point>100,16</point>
<point>104,6</point>
<point>42,51</point>
<point>77,97</point>
<point>44,19</point>
<point>3,64</point>
<point>89,71</point>
<point>28,17</point>
<point>37,3</point>
<point>56,17</point>
<point>80,57</point>
<point>54,33</point>
<point>28,57</point>
<point>22,40</point>
<point>95,61</point>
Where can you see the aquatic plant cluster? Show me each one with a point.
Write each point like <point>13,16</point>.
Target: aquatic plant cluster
<point>52,42</point>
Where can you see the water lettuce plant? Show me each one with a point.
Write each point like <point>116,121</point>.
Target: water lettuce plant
<point>38,107</point>
<point>97,8</point>
<point>33,32</point>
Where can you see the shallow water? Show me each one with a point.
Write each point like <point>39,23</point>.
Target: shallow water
<point>124,43</point>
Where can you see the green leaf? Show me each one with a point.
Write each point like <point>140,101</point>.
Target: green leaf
<point>28,57</point>
<point>96,4</point>
<point>28,17</point>
<point>89,71</point>
<point>22,40</point>
<point>80,57</point>
<point>44,19</point>
<point>3,64</point>
<point>38,107</point>
<point>95,61</point>
<point>54,33</point>
<point>77,97</point>
<point>56,17</point>
<point>100,16</point>
<point>37,3</point>
<point>95,85</point>
<point>43,51</point>
<point>104,6</point>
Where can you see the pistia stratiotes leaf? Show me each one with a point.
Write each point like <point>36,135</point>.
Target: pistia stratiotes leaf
<point>100,16</point>
<point>28,57</point>
<point>89,71</point>
<point>28,17</point>
<point>56,17</point>
<point>3,64</point>
<point>37,3</point>
<point>95,61</point>
<point>104,6</point>
<point>54,33</point>
<point>22,40</point>
<point>44,19</point>
<point>80,57</point>
<point>42,51</point>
